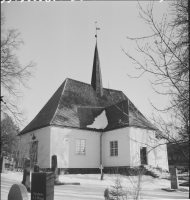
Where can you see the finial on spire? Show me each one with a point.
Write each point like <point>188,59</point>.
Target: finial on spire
<point>96,30</point>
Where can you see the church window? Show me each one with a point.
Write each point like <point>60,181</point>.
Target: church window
<point>114,148</point>
<point>80,147</point>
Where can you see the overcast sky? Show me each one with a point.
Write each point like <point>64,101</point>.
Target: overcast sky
<point>60,38</point>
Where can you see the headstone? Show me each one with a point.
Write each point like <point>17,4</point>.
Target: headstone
<point>24,177</point>
<point>36,168</point>
<point>174,178</point>
<point>42,186</point>
<point>3,164</point>
<point>54,168</point>
<point>101,171</point>
<point>26,174</point>
<point>18,192</point>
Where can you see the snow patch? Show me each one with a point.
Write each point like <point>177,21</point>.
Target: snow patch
<point>100,122</point>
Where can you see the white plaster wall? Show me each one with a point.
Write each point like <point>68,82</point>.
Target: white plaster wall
<point>43,137</point>
<point>63,145</point>
<point>123,158</point>
<point>92,157</point>
<point>146,138</point>
<point>162,155</point>
<point>60,145</point>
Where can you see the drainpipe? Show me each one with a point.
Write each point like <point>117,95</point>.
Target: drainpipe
<point>101,168</point>
<point>101,149</point>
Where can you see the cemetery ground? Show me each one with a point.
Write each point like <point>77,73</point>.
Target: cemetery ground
<point>91,187</point>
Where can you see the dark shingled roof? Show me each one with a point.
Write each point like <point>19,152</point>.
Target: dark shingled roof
<point>76,104</point>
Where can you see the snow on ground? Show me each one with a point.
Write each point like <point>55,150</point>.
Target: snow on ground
<point>90,184</point>
<point>94,179</point>
<point>147,182</point>
<point>100,122</point>
<point>109,179</point>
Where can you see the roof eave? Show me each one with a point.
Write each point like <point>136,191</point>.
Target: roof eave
<point>34,129</point>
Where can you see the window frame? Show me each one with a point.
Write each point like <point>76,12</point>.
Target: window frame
<point>79,152</point>
<point>114,148</point>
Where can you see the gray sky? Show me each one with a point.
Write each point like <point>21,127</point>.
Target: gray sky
<point>59,37</point>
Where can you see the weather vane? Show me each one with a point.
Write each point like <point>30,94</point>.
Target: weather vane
<point>96,29</point>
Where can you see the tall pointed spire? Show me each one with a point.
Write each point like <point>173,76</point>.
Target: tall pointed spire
<point>96,80</point>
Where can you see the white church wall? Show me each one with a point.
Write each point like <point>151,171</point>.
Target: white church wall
<point>141,138</point>
<point>146,138</point>
<point>91,159</point>
<point>43,137</point>
<point>162,155</point>
<point>122,136</point>
<point>60,145</point>
<point>63,145</point>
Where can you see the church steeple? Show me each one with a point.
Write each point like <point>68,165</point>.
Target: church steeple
<point>96,80</point>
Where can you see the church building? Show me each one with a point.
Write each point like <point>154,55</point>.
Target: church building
<point>86,126</point>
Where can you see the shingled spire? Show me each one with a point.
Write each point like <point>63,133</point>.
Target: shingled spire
<point>96,80</point>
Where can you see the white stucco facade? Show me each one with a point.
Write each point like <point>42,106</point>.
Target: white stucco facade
<point>63,144</point>
<point>61,141</point>
<point>122,137</point>
<point>156,149</point>
<point>44,145</point>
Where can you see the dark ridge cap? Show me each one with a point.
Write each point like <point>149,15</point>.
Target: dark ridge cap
<point>65,83</point>
<point>91,86</point>
<point>113,90</point>
<point>76,81</point>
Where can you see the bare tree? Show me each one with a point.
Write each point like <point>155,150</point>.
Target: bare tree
<point>13,74</point>
<point>166,58</point>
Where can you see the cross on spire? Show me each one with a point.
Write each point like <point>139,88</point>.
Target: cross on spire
<point>96,30</point>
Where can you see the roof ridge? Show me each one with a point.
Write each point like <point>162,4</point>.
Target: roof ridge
<point>91,85</point>
<point>77,81</point>
<point>59,100</point>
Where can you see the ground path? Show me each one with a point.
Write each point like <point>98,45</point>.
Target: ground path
<point>88,190</point>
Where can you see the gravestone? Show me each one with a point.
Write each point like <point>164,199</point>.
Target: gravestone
<point>54,168</point>
<point>18,192</point>
<point>101,171</point>
<point>174,178</point>
<point>3,164</point>
<point>42,186</point>
<point>26,174</point>
<point>36,168</point>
